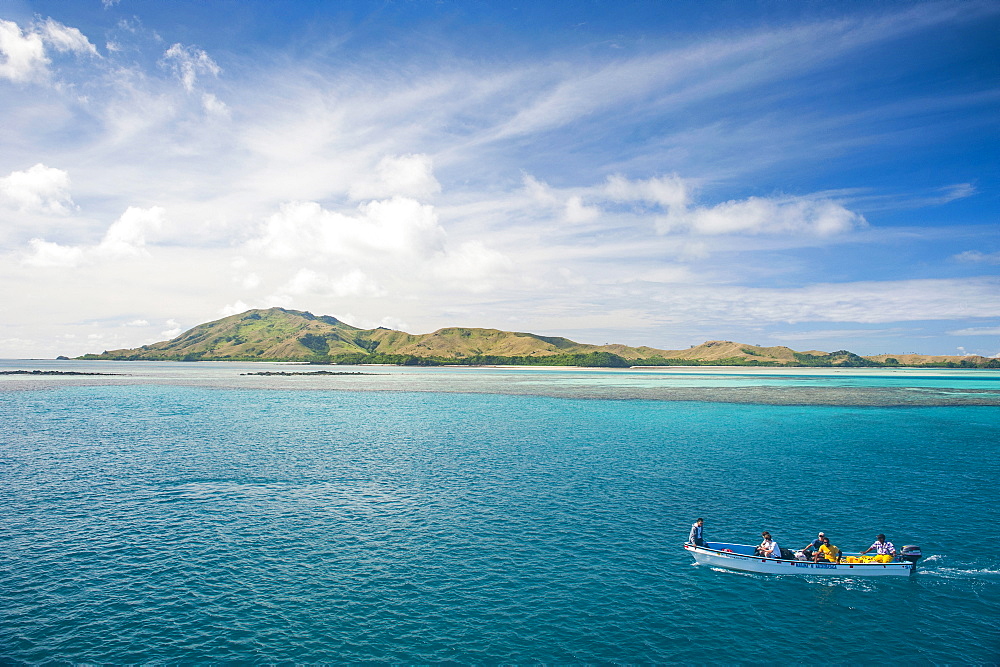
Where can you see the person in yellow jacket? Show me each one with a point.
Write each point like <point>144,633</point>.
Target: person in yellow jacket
<point>827,551</point>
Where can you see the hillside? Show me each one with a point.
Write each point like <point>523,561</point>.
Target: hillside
<point>277,334</point>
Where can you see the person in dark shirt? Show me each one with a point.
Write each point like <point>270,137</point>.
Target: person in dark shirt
<point>813,546</point>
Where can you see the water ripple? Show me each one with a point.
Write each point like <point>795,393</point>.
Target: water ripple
<point>179,524</point>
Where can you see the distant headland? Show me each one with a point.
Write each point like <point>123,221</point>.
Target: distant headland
<point>278,334</point>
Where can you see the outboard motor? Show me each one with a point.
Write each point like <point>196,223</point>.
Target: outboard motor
<point>910,553</point>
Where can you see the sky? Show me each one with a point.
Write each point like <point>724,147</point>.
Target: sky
<point>812,174</point>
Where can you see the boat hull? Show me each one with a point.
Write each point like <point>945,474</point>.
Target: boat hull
<point>716,557</point>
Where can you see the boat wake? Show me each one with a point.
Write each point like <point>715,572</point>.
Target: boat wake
<point>750,575</point>
<point>960,573</point>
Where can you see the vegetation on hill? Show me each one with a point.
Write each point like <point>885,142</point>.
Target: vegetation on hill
<point>277,334</point>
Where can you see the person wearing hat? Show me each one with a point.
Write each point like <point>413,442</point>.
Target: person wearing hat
<point>813,546</point>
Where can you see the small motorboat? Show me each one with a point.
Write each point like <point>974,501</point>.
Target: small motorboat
<point>741,557</point>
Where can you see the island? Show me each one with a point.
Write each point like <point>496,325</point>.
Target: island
<point>279,334</point>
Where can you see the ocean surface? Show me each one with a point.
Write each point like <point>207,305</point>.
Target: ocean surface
<point>190,513</point>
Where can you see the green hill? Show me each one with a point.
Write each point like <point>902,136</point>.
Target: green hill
<point>277,334</point>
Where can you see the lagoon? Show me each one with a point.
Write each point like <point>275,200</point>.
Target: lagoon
<point>186,513</point>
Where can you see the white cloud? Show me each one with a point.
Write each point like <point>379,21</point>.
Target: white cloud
<point>66,39</point>
<point>473,267</point>
<point>978,256</point>
<point>669,201</point>
<point>953,192</point>
<point>670,192</point>
<point>976,331</point>
<point>23,54</point>
<point>398,226</point>
<point>214,106</point>
<point>399,176</point>
<point>249,281</point>
<point>137,323</point>
<point>569,207</point>
<point>766,216</point>
<point>45,254</point>
<point>834,334</point>
<point>857,302</point>
<point>188,63</point>
<point>577,211</point>
<point>173,329</point>
<point>40,189</point>
<point>125,238</point>
<point>354,283</point>
<point>233,309</point>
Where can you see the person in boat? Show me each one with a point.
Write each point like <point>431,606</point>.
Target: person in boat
<point>769,547</point>
<point>827,551</point>
<point>881,547</point>
<point>813,546</point>
<point>697,536</point>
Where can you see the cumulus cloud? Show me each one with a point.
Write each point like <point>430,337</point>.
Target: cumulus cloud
<point>399,176</point>
<point>173,329</point>
<point>46,254</point>
<point>188,63</point>
<point>399,240</point>
<point>125,238</point>
<point>398,226</point>
<point>38,189</point>
<point>23,55</point>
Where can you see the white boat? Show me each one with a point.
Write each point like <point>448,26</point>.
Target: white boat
<point>741,557</point>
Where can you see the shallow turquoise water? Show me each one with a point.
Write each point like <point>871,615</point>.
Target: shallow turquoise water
<point>162,522</point>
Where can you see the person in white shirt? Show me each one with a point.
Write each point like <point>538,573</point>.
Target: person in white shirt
<point>881,547</point>
<point>769,547</point>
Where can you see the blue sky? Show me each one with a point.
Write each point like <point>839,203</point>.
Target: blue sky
<point>817,175</point>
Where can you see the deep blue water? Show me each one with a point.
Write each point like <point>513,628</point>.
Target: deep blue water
<point>170,523</point>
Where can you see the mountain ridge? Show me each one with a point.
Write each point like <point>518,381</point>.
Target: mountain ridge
<point>279,334</point>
